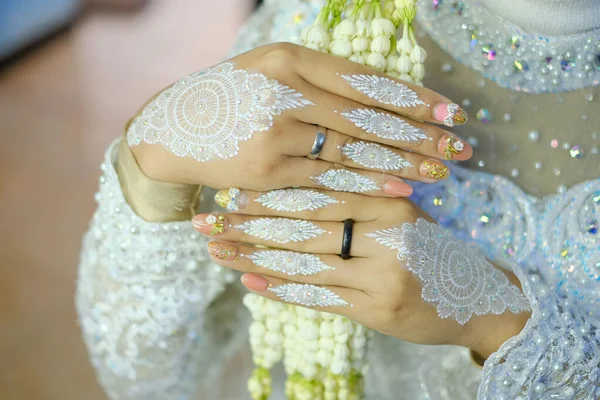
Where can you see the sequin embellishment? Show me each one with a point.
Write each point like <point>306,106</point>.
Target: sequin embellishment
<point>308,295</point>
<point>295,200</point>
<point>374,156</point>
<point>346,181</point>
<point>289,262</point>
<point>281,230</point>
<point>384,125</point>
<point>455,277</point>
<point>384,90</point>
<point>206,114</point>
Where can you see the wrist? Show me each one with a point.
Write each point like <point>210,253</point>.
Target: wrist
<point>488,332</point>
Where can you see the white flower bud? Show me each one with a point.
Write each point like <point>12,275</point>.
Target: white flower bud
<point>316,34</point>
<point>399,3</point>
<point>313,46</point>
<point>312,332</point>
<point>257,329</point>
<point>341,47</point>
<point>345,29</point>
<point>377,61</point>
<point>404,45</point>
<point>383,26</point>
<point>363,27</point>
<point>418,54</point>
<point>271,357</point>
<point>404,64</point>
<point>309,313</point>
<point>324,358</point>
<point>417,72</point>
<point>406,78</point>
<point>380,44</point>
<point>357,58</point>
<point>272,324</point>
<point>341,351</point>
<point>273,339</point>
<point>339,367</point>
<point>409,3</point>
<point>360,44</point>
<point>326,329</point>
<point>391,62</point>
<point>326,344</point>
<point>393,73</point>
<point>309,371</point>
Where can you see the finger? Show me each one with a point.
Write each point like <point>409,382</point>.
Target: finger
<point>299,171</point>
<point>315,237</point>
<point>333,299</point>
<point>365,85</point>
<point>310,204</point>
<point>348,151</point>
<point>376,125</point>
<point>314,269</point>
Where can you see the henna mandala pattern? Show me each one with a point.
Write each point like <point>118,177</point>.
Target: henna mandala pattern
<point>281,230</point>
<point>384,90</point>
<point>346,181</point>
<point>384,125</point>
<point>457,278</point>
<point>308,295</point>
<point>206,114</point>
<point>289,262</point>
<point>374,156</point>
<point>295,200</point>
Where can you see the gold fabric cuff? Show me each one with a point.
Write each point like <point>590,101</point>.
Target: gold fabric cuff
<point>152,200</point>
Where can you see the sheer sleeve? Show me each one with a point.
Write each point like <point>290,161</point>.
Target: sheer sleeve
<point>147,300</point>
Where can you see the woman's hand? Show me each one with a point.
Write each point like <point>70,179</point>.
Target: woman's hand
<point>253,120</point>
<point>407,277</point>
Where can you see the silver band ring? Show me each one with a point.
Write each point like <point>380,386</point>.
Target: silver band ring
<point>317,146</point>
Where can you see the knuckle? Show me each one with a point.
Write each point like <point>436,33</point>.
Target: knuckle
<point>278,57</point>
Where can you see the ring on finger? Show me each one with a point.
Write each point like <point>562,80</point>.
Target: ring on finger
<point>347,239</point>
<point>318,144</point>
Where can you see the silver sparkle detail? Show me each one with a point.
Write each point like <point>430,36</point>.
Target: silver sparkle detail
<point>383,125</point>
<point>206,114</point>
<point>281,230</point>
<point>346,181</point>
<point>455,277</point>
<point>308,295</point>
<point>374,156</point>
<point>289,262</point>
<point>384,90</point>
<point>295,200</point>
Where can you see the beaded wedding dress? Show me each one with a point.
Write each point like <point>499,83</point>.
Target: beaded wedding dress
<point>162,322</point>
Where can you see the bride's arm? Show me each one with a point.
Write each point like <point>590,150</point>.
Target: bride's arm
<point>146,286</point>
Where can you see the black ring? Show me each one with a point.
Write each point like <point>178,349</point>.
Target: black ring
<point>347,239</point>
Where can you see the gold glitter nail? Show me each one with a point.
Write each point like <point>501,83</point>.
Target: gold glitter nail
<point>217,222</point>
<point>435,170</point>
<point>452,146</point>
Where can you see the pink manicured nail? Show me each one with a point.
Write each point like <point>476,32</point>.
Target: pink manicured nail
<point>454,149</point>
<point>450,114</point>
<point>210,224</point>
<point>255,282</point>
<point>397,188</point>
<point>223,250</point>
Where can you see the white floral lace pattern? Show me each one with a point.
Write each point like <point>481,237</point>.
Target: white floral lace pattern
<point>143,293</point>
<point>459,280</point>
<point>207,113</point>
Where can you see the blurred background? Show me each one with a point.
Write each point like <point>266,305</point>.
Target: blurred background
<point>71,74</point>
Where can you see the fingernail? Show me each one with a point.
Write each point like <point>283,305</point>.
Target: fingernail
<point>210,224</point>
<point>450,114</point>
<point>223,250</point>
<point>255,282</point>
<point>397,188</point>
<point>434,170</point>
<point>451,148</point>
<point>231,199</point>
